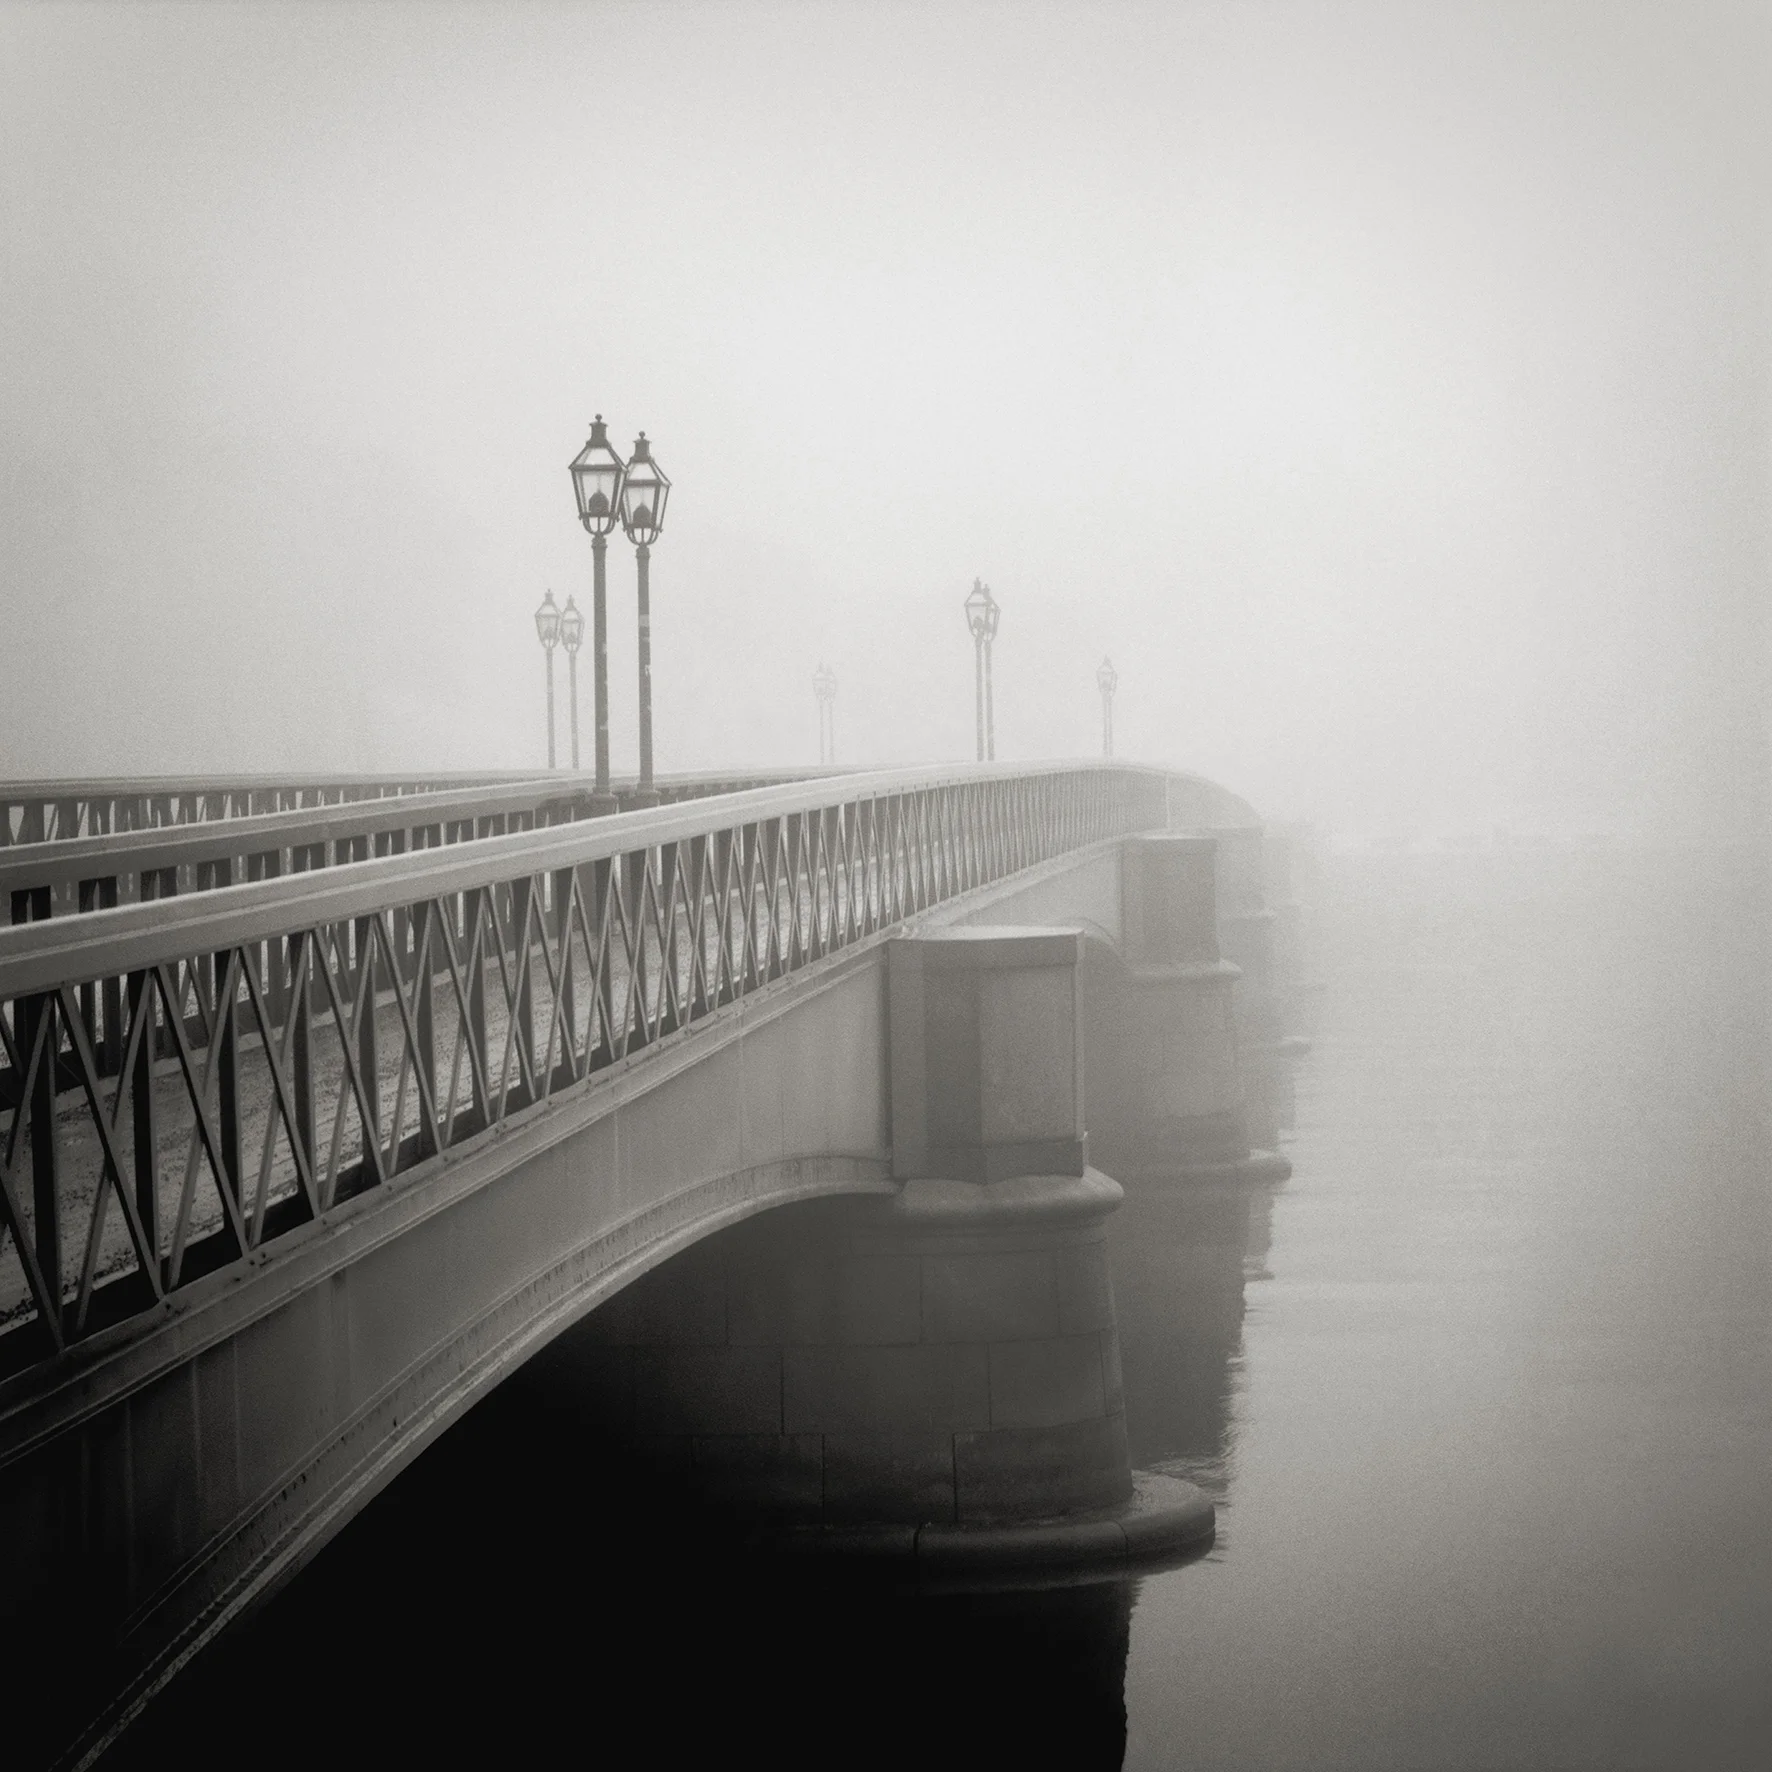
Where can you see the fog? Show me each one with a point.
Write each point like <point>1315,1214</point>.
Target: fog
<point>1384,388</point>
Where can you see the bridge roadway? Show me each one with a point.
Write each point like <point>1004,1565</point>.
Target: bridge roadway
<point>433,1108</point>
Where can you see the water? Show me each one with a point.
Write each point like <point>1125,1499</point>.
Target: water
<point>1484,1393</point>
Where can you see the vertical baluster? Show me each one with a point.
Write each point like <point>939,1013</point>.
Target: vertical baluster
<point>523,1014</point>
<point>36,1011</point>
<point>633,891</point>
<point>479,923</point>
<point>426,941</point>
<point>368,1054</point>
<point>141,1107</point>
<point>300,1007</point>
<point>567,1012</point>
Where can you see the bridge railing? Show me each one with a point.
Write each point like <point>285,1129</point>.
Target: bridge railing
<point>66,810</point>
<point>75,874</point>
<point>74,807</point>
<point>278,1047</point>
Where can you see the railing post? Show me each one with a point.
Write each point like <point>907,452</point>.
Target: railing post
<point>45,1209</point>
<point>424,925</point>
<point>367,1067</point>
<point>141,1108</point>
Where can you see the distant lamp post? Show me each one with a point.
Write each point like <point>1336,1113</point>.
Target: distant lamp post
<point>596,484</point>
<point>1107,680</point>
<point>547,628</point>
<point>644,492</point>
<point>982,615</point>
<point>572,633</point>
<point>824,687</point>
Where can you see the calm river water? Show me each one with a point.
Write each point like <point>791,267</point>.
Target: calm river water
<point>1484,1394</point>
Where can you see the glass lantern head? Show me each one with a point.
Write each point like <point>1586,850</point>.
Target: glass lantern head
<point>978,608</point>
<point>547,622</point>
<point>572,625</point>
<point>1107,679</point>
<point>644,492</point>
<point>596,481</point>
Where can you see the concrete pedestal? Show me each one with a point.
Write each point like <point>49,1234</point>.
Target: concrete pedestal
<point>932,1375</point>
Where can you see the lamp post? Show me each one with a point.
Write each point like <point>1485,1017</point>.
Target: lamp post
<point>1107,680</point>
<point>596,484</point>
<point>993,613</point>
<point>547,628</point>
<point>982,615</point>
<point>644,490</point>
<point>824,687</point>
<point>572,633</point>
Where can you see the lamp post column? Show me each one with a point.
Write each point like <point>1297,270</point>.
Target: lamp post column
<point>643,557</point>
<point>990,710</point>
<point>550,657</point>
<point>600,659</point>
<point>978,688</point>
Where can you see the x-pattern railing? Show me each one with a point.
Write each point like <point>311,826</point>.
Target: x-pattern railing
<point>181,1084</point>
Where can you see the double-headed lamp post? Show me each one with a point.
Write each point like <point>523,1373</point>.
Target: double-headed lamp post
<point>1107,680</point>
<point>824,687</point>
<point>547,628</point>
<point>982,615</point>
<point>572,633</point>
<point>596,484</point>
<point>644,491</point>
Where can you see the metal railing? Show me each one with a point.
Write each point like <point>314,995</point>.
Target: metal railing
<point>76,874</point>
<point>73,808</point>
<point>184,1082</point>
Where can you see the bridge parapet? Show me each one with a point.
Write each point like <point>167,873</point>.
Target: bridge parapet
<point>162,860</point>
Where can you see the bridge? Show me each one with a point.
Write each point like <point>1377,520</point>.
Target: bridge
<point>757,1116</point>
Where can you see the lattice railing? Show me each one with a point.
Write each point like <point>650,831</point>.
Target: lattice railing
<point>112,867</point>
<point>183,1083</point>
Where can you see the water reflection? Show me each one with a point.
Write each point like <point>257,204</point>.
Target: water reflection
<point>1183,1250</point>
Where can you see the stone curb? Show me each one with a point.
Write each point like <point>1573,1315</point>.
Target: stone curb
<point>1165,1515</point>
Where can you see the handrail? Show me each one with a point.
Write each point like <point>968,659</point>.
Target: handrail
<point>303,1039</point>
<point>61,809</point>
<point>140,861</point>
<point>73,808</point>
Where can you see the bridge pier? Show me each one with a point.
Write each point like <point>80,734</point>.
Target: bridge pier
<point>1170,1091</point>
<point>934,1374</point>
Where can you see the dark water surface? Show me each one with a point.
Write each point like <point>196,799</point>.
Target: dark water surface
<point>1484,1393</point>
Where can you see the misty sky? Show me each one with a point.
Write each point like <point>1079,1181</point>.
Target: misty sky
<point>1384,387</point>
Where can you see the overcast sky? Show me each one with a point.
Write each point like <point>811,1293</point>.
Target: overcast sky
<point>1384,387</point>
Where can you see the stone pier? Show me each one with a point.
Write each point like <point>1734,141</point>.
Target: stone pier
<point>932,1374</point>
<point>1170,1091</point>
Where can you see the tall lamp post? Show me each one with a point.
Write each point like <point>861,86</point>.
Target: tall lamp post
<point>547,628</point>
<point>572,633</point>
<point>824,687</point>
<point>596,484</point>
<point>1107,680</point>
<point>644,491</point>
<point>982,615</point>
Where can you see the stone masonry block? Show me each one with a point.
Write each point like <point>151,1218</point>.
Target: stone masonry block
<point>888,1477</point>
<point>1046,1383</point>
<point>835,1390</point>
<point>989,1296</point>
<point>1085,1292</point>
<point>1027,1472</point>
